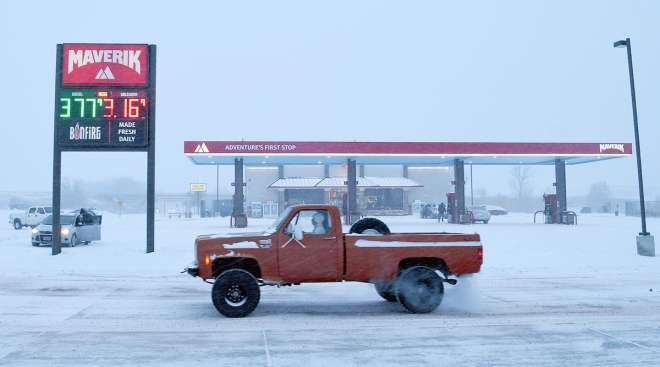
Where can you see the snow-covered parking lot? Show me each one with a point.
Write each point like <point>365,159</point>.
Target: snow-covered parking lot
<point>547,295</point>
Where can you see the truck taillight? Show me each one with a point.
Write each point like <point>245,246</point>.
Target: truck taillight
<point>207,260</point>
<point>480,254</point>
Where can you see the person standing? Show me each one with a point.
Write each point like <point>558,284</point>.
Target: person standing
<point>441,212</point>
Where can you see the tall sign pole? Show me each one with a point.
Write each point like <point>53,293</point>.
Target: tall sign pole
<point>151,152</point>
<point>105,101</point>
<point>57,162</point>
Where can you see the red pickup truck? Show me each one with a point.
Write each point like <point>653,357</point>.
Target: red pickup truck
<point>306,244</point>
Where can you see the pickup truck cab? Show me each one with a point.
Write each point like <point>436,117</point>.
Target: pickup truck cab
<point>306,244</point>
<point>31,217</point>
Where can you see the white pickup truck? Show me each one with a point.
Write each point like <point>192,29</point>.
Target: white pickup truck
<point>31,217</point>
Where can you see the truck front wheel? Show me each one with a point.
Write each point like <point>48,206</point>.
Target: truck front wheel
<point>235,293</point>
<point>386,291</point>
<point>419,289</point>
<point>18,224</point>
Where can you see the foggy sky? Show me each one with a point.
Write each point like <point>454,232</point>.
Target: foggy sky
<point>346,70</point>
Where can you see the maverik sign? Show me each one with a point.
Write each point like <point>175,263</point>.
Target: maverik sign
<point>91,64</point>
<point>104,96</point>
<point>105,101</point>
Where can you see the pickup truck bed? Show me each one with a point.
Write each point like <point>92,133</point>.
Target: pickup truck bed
<point>378,257</point>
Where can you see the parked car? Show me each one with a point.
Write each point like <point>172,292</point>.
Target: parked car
<point>479,214</point>
<point>31,217</point>
<point>306,244</point>
<point>172,213</point>
<point>77,227</point>
<point>496,210</point>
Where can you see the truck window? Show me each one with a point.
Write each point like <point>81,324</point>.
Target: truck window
<point>32,210</point>
<point>311,222</point>
<point>41,211</point>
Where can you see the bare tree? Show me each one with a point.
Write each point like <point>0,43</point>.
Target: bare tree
<point>521,181</point>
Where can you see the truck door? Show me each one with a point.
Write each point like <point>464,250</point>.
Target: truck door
<point>314,258</point>
<point>31,217</point>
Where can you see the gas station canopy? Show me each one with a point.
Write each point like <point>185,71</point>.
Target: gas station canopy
<point>420,153</point>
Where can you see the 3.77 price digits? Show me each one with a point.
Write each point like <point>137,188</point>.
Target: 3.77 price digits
<point>96,107</point>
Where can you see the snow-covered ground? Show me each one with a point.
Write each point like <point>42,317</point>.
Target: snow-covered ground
<point>547,295</point>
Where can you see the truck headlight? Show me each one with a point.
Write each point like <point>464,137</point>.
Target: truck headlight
<point>35,231</point>
<point>65,231</point>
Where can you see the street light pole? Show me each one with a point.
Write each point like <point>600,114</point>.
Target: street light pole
<point>645,243</point>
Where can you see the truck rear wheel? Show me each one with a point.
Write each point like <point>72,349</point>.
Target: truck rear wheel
<point>235,293</point>
<point>369,226</point>
<point>386,291</point>
<point>18,224</point>
<point>419,289</point>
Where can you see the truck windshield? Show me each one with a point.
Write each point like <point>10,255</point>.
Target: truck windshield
<point>278,222</point>
<point>64,219</point>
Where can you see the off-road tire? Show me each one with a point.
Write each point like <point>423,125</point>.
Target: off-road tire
<point>17,224</point>
<point>385,290</point>
<point>419,289</point>
<point>235,293</point>
<point>74,241</point>
<point>35,244</point>
<point>367,225</point>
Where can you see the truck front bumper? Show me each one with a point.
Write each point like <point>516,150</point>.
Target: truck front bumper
<point>192,270</point>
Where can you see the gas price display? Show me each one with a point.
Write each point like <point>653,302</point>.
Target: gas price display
<point>107,117</point>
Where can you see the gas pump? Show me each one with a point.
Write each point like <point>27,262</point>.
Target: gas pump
<point>452,208</point>
<point>551,208</point>
<point>551,213</point>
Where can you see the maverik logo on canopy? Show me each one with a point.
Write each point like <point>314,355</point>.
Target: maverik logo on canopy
<point>612,147</point>
<point>104,64</point>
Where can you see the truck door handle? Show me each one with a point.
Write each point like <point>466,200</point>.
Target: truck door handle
<point>329,238</point>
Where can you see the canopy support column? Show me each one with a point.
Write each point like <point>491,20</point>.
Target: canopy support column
<point>459,189</point>
<point>239,219</point>
<point>352,212</point>
<point>560,186</point>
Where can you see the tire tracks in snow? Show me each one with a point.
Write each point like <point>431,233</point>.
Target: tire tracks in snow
<point>623,340</point>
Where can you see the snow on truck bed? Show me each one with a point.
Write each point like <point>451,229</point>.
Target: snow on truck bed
<point>550,295</point>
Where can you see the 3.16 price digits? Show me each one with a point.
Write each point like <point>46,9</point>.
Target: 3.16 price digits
<point>93,107</point>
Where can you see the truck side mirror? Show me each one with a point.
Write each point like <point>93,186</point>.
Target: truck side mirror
<point>298,233</point>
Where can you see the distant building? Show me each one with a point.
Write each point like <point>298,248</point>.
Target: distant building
<point>382,189</point>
